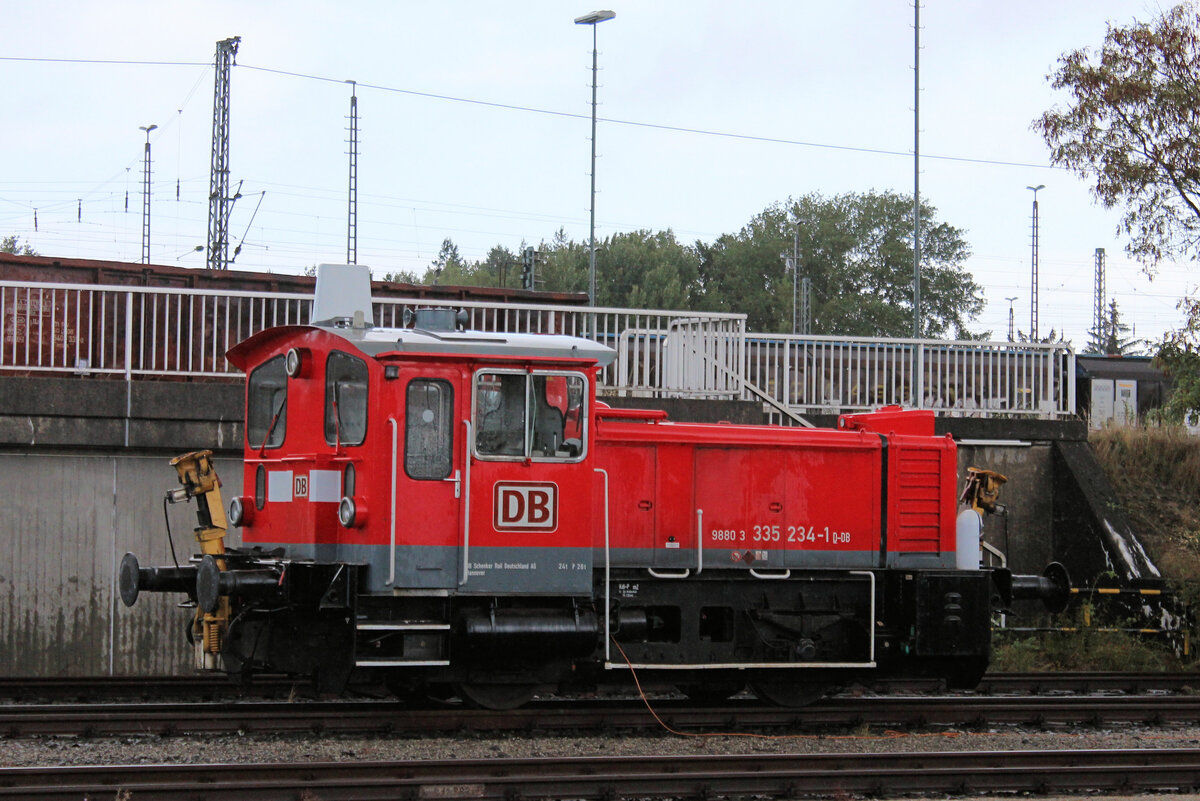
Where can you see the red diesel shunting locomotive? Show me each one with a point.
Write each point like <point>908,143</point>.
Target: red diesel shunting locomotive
<point>456,512</point>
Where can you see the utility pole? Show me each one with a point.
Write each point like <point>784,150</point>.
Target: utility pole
<point>1011,332</point>
<point>593,19</point>
<point>806,305</point>
<point>352,212</point>
<point>219,202</point>
<point>916,169</point>
<point>1033,289</point>
<point>792,263</point>
<point>145,196</point>
<point>1098,313</point>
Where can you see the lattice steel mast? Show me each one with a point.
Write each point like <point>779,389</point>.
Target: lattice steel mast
<point>352,210</point>
<point>1098,317</point>
<point>145,195</point>
<point>218,187</point>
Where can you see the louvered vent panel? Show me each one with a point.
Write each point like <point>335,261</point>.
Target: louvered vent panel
<point>918,506</point>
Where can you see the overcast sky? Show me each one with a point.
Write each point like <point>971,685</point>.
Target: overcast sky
<point>475,120</point>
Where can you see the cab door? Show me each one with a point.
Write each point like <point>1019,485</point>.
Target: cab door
<point>429,445</point>
<point>531,483</point>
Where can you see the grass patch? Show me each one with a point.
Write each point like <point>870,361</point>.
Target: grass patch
<point>1083,650</point>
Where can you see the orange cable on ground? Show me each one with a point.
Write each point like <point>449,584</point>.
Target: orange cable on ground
<point>888,734</point>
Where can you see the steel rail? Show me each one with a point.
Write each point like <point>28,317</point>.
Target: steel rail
<point>266,717</point>
<point>704,776</point>
<point>84,687</point>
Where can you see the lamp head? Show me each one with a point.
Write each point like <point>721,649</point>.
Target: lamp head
<point>595,17</point>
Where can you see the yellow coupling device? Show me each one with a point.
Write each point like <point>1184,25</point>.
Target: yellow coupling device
<point>199,480</point>
<point>982,490</point>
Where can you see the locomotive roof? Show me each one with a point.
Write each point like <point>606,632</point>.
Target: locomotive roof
<point>342,306</point>
<point>376,341</point>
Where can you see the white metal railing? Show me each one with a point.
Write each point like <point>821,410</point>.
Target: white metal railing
<point>141,332</point>
<point>137,332</point>
<point>835,375</point>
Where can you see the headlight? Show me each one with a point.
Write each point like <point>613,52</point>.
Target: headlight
<point>293,362</point>
<point>351,514</point>
<point>241,511</point>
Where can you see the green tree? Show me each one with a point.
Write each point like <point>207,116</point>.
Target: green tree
<point>646,270</point>
<point>1180,360</point>
<point>1114,337</point>
<point>500,268</point>
<point>1053,338</point>
<point>449,267</point>
<point>857,251</point>
<point>639,269</point>
<point>1131,126</point>
<point>402,277</point>
<point>563,265</point>
<point>12,244</point>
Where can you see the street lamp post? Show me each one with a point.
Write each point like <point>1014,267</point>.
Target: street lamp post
<point>593,19</point>
<point>146,196</point>
<point>1033,289</point>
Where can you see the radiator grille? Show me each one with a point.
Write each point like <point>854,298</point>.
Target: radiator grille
<point>918,500</point>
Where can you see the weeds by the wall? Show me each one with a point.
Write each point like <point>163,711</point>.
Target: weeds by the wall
<point>1085,643</point>
<point>1155,473</point>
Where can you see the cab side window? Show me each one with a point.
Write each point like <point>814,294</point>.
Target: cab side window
<point>500,414</point>
<point>266,404</point>
<point>345,399</point>
<point>536,416</point>
<point>428,429</point>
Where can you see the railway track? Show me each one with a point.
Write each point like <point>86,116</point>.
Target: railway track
<point>96,687</point>
<point>385,717</point>
<point>708,776</point>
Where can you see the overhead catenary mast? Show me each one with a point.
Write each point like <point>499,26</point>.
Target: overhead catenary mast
<point>219,202</point>
<point>352,210</point>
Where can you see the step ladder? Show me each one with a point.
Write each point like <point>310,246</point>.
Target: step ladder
<point>415,649</point>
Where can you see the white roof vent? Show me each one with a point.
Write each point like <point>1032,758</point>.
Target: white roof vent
<point>343,296</point>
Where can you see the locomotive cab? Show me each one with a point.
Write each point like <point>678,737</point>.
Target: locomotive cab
<point>423,495</point>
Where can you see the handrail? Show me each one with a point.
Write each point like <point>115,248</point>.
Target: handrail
<point>607,571</point>
<point>466,506</point>
<point>392,524</point>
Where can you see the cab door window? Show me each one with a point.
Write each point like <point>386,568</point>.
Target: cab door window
<point>537,416</point>
<point>266,404</point>
<point>428,429</point>
<point>345,399</point>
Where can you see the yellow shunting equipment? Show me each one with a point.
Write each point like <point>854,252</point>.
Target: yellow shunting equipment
<point>199,480</point>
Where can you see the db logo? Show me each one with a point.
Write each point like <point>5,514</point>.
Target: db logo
<point>526,507</point>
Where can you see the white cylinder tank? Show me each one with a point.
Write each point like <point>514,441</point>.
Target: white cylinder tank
<point>968,534</point>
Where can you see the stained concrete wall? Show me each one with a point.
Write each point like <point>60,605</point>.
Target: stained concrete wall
<point>69,518</point>
<point>84,469</point>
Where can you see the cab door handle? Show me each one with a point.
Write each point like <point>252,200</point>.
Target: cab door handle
<point>457,483</point>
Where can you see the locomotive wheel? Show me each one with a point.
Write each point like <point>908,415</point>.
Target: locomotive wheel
<point>788,693</point>
<point>710,692</point>
<point>500,697</point>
